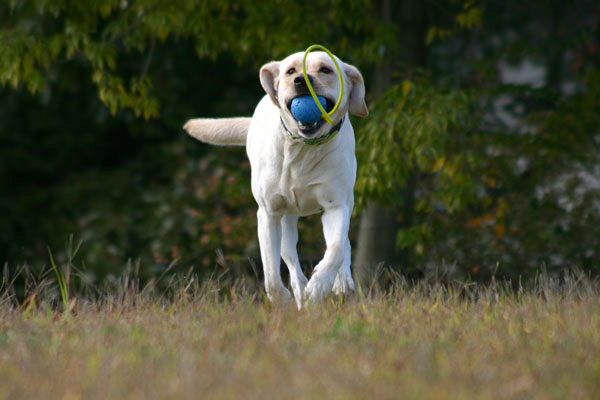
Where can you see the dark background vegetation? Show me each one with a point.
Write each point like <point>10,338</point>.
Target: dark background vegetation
<point>480,155</point>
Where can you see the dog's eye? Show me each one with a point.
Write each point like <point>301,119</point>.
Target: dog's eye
<point>325,70</point>
<point>291,71</point>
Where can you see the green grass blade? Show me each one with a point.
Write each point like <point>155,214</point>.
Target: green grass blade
<point>61,282</point>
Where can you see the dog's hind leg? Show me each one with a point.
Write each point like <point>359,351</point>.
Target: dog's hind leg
<point>343,280</point>
<point>289,239</point>
<point>269,238</point>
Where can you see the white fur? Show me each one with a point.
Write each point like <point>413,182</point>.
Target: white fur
<point>220,131</point>
<point>292,179</point>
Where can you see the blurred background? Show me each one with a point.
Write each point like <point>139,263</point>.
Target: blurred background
<point>480,155</point>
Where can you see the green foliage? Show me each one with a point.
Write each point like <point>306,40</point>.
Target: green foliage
<point>195,209</point>
<point>527,155</point>
<point>417,132</point>
<point>94,94</point>
<point>79,158</point>
<point>468,18</point>
<point>37,35</point>
<point>537,198</point>
<point>538,189</point>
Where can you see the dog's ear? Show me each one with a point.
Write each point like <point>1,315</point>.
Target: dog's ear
<point>357,105</point>
<point>269,79</point>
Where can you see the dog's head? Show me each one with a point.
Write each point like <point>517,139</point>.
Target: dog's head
<point>283,81</point>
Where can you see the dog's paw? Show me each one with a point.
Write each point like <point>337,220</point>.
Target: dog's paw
<point>298,287</point>
<point>343,283</point>
<point>317,288</point>
<point>278,295</point>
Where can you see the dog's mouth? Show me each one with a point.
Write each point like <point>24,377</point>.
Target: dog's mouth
<point>311,129</point>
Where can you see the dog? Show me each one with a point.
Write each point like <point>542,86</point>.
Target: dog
<point>299,169</point>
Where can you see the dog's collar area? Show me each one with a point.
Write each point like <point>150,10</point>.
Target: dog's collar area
<point>318,140</point>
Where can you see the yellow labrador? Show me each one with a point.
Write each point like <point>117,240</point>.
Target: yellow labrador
<point>298,169</point>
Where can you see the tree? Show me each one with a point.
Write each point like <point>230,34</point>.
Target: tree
<point>395,167</point>
<point>535,201</point>
<point>538,205</point>
<point>94,95</point>
<point>460,161</point>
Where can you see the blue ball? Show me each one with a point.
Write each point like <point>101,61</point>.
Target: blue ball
<point>305,110</point>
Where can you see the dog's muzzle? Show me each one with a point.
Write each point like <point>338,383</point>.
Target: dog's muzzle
<point>302,90</point>
<point>310,129</point>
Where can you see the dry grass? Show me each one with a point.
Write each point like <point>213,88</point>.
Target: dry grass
<point>411,341</point>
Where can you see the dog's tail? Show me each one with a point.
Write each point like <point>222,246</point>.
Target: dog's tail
<point>220,131</point>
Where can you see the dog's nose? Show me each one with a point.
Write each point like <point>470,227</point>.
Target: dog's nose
<point>299,80</point>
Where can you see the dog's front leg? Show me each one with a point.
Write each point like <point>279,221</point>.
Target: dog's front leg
<point>269,238</point>
<point>343,280</point>
<point>336,222</point>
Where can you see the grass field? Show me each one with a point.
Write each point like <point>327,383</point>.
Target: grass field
<point>420,341</point>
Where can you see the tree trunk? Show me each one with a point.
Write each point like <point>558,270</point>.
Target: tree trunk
<point>378,225</point>
<point>376,241</point>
